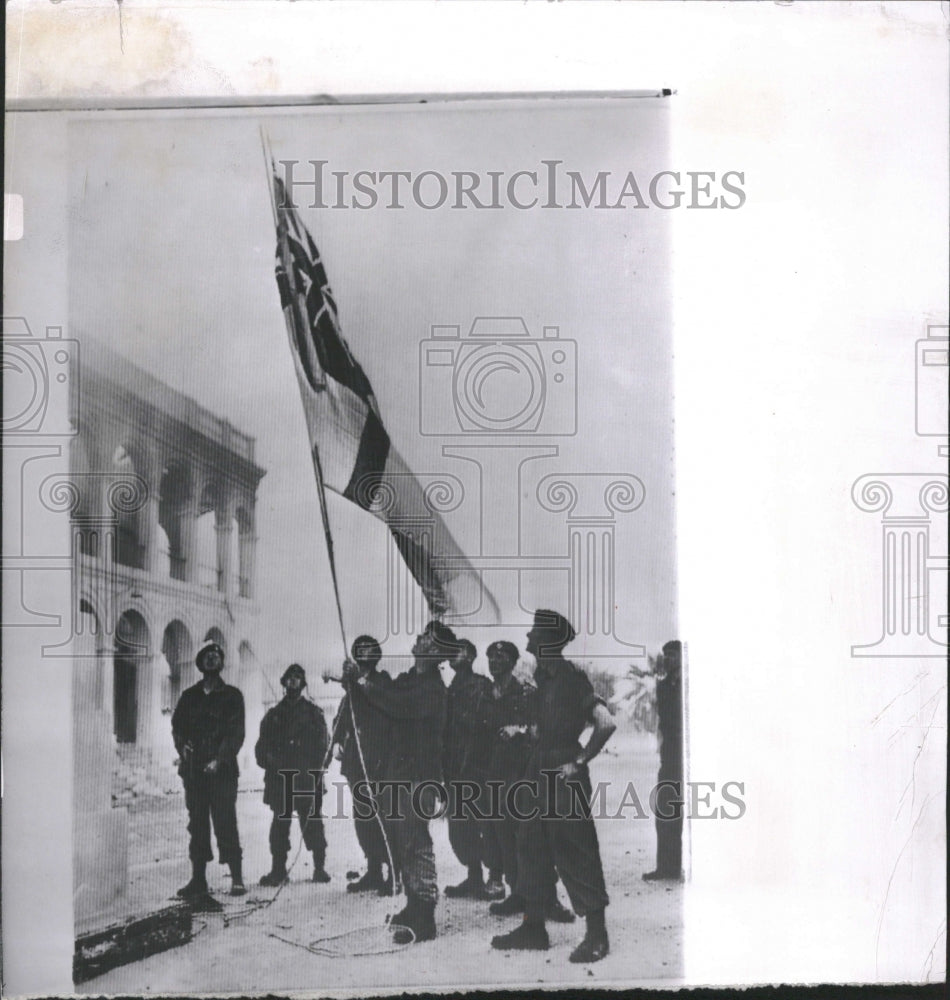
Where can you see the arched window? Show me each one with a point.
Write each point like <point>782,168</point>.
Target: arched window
<point>130,536</point>
<point>131,650</point>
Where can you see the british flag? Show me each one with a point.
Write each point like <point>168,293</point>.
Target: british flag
<point>349,443</point>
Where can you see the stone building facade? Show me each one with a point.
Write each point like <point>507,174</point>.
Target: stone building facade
<point>162,496</point>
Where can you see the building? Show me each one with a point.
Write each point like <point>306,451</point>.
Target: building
<point>162,505</point>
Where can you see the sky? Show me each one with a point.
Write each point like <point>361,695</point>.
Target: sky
<point>171,248</point>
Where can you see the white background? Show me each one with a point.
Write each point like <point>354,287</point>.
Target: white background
<point>795,323</point>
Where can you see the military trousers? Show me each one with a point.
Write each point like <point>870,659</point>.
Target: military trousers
<point>210,800</point>
<point>470,835</point>
<point>559,835</point>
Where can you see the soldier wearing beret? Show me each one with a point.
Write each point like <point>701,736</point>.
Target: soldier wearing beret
<point>559,832</point>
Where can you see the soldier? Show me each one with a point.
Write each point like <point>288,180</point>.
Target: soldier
<point>669,793</point>
<point>466,756</point>
<point>293,738</point>
<point>561,831</point>
<point>415,704</point>
<point>372,725</point>
<point>512,715</point>
<point>208,730</point>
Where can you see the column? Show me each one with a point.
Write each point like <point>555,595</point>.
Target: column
<point>591,503</point>
<point>187,517</point>
<point>905,501</point>
<point>501,469</point>
<point>222,529</point>
<point>407,610</point>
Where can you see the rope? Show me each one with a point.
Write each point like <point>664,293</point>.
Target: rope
<point>324,946</point>
<point>321,493</point>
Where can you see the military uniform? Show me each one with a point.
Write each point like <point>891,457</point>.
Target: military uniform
<point>669,796</point>
<point>468,748</point>
<point>209,726</point>
<point>415,704</point>
<point>294,737</point>
<point>374,728</point>
<point>561,835</point>
<point>512,703</point>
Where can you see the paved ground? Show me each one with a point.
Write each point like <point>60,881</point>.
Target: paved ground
<point>234,953</point>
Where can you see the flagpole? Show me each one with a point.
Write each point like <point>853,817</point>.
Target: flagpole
<point>317,466</point>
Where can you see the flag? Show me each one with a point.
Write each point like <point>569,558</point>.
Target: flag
<point>350,445</point>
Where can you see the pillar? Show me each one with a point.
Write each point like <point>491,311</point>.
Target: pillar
<point>592,502</point>
<point>223,528</point>
<point>187,518</point>
<point>407,612</point>
<point>905,502</point>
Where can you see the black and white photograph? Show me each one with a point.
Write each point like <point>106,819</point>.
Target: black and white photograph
<point>446,545</point>
<point>351,543</point>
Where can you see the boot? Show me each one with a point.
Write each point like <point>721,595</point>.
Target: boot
<point>402,920</point>
<point>595,944</point>
<point>424,926</point>
<point>527,936</point>
<point>508,907</point>
<point>237,879</point>
<point>320,873</point>
<point>418,925</point>
<point>278,873</point>
<point>404,914</point>
<point>372,881</point>
<point>198,886</point>
<point>472,887</point>
<point>658,876</point>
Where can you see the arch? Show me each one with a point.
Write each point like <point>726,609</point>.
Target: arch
<point>130,544</point>
<point>178,649</point>
<point>132,643</point>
